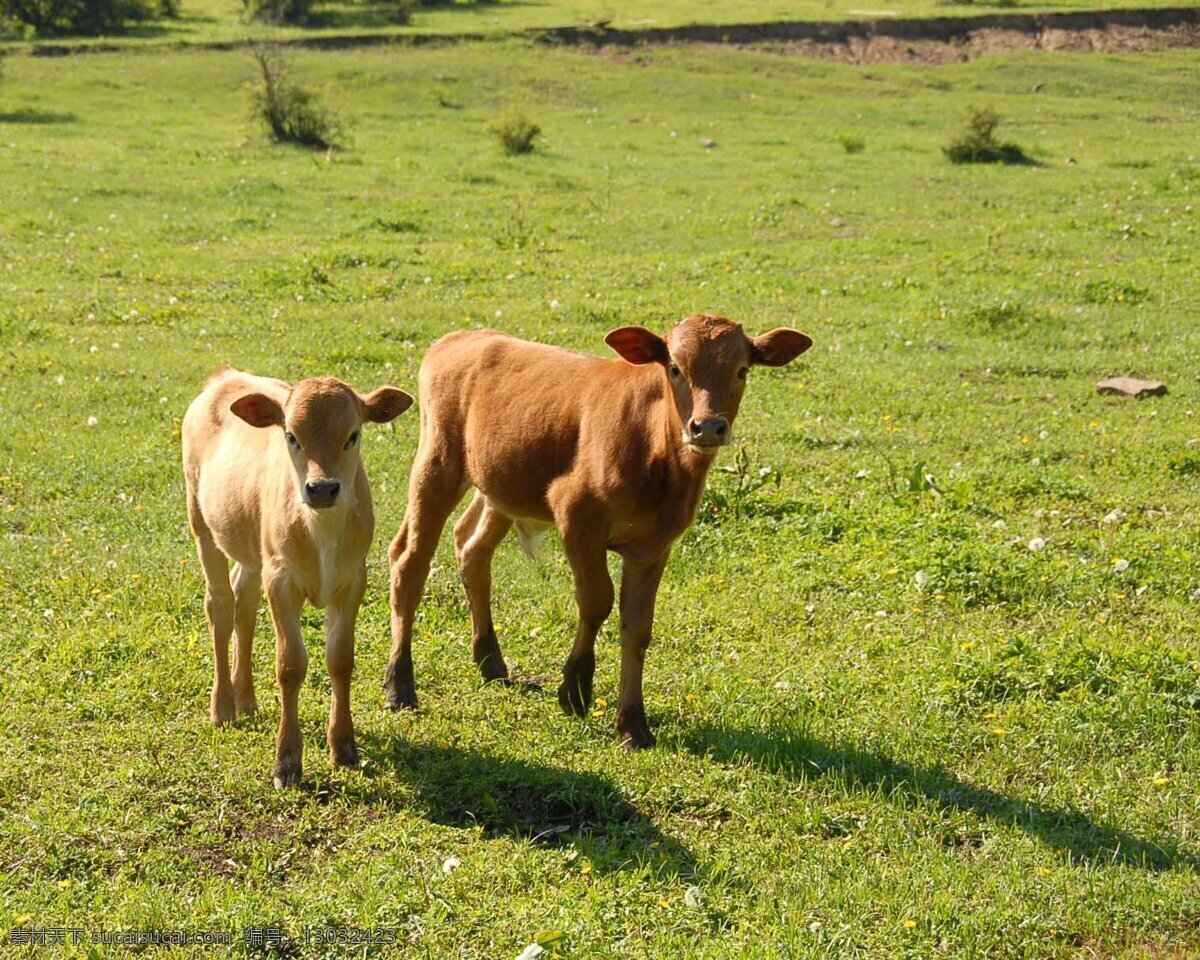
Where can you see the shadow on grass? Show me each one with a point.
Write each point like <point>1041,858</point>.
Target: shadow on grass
<point>801,758</point>
<point>27,115</point>
<point>368,14</point>
<point>515,799</point>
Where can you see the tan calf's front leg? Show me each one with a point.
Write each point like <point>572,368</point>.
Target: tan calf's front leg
<point>339,657</point>
<point>291,666</point>
<point>639,587</point>
<point>583,541</point>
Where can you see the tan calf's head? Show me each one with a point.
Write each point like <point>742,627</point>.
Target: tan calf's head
<point>705,360</point>
<point>321,421</point>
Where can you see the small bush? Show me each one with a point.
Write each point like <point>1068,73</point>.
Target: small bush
<point>290,113</point>
<point>515,131</point>
<point>852,143</point>
<point>977,142</point>
<point>88,17</point>
<point>277,11</point>
<point>1113,291</point>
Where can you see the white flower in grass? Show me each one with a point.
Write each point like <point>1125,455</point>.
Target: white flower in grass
<point>1119,565</point>
<point>450,864</point>
<point>692,897</point>
<point>553,304</point>
<point>999,525</point>
<point>921,578</point>
<point>1036,544</point>
<point>881,614</point>
<point>531,952</point>
<point>783,686</point>
<point>1114,517</point>
<point>92,421</point>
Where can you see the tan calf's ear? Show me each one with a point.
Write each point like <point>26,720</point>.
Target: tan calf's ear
<point>258,410</point>
<point>638,345</point>
<point>385,404</point>
<point>780,346</point>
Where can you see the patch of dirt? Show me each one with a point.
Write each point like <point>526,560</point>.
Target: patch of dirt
<point>937,40</point>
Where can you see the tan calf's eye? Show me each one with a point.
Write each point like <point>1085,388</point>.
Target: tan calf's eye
<point>353,440</point>
<point>742,373</point>
<point>674,372</point>
<point>292,441</point>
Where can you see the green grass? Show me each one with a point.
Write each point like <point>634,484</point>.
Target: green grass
<point>887,727</point>
<point>224,20</point>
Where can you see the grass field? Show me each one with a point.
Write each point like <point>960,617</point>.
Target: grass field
<point>224,21</point>
<point>888,726</point>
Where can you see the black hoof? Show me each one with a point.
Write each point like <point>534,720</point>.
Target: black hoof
<point>635,731</point>
<point>401,690</point>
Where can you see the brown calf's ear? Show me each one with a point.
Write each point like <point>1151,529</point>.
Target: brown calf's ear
<point>638,345</point>
<point>780,346</point>
<point>386,404</point>
<point>258,410</point>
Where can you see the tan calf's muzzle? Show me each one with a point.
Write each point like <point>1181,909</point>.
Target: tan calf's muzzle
<point>708,434</point>
<point>320,494</point>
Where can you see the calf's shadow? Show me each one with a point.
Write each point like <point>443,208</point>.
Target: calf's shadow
<point>515,799</point>
<point>791,753</point>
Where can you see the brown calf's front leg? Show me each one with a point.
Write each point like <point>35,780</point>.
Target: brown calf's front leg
<point>583,541</point>
<point>291,666</point>
<point>639,587</point>
<point>247,589</point>
<point>434,489</point>
<point>476,536</point>
<point>339,658</point>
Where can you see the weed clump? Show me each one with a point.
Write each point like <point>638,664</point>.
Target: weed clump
<point>291,113</point>
<point>515,132</point>
<point>852,143</point>
<point>977,143</point>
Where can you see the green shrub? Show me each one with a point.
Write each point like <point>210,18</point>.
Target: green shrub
<point>277,11</point>
<point>290,113</point>
<point>515,131</point>
<point>91,17</point>
<point>977,142</point>
<point>852,143</point>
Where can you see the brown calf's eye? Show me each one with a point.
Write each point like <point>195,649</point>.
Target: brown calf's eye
<point>292,441</point>
<point>742,373</point>
<point>674,371</point>
<point>353,440</point>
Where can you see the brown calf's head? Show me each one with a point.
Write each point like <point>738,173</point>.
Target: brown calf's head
<point>321,421</point>
<point>706,360</point>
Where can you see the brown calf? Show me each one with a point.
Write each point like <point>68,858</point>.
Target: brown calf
<point>613,452</point>
<point>292,509</point>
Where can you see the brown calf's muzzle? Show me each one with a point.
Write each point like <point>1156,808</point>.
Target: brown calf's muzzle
<point>708,435</point>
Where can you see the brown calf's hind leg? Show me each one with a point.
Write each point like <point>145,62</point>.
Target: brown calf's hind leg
<point>434,489</point>
<point>291,666</point>
<point>218,611</point>
<point>476,536</point>
<point>247,588</point>
<point>339,658</point>
<point>587,553</point>
<point>639,587</point>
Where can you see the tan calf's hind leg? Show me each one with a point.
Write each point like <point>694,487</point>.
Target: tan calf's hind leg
<point>218,611</point>
<point>435,487</point>
<point>339,657</point>
<point>586,551</point>
<point>476,536</point>
<point>291,666</point>
<point>247,588</point>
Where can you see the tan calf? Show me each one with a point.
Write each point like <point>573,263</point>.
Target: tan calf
<point>276,485</point>
<point>613,452</point>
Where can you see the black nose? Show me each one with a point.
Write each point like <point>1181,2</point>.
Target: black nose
<point>709,431</point>
<point>322,492</point>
